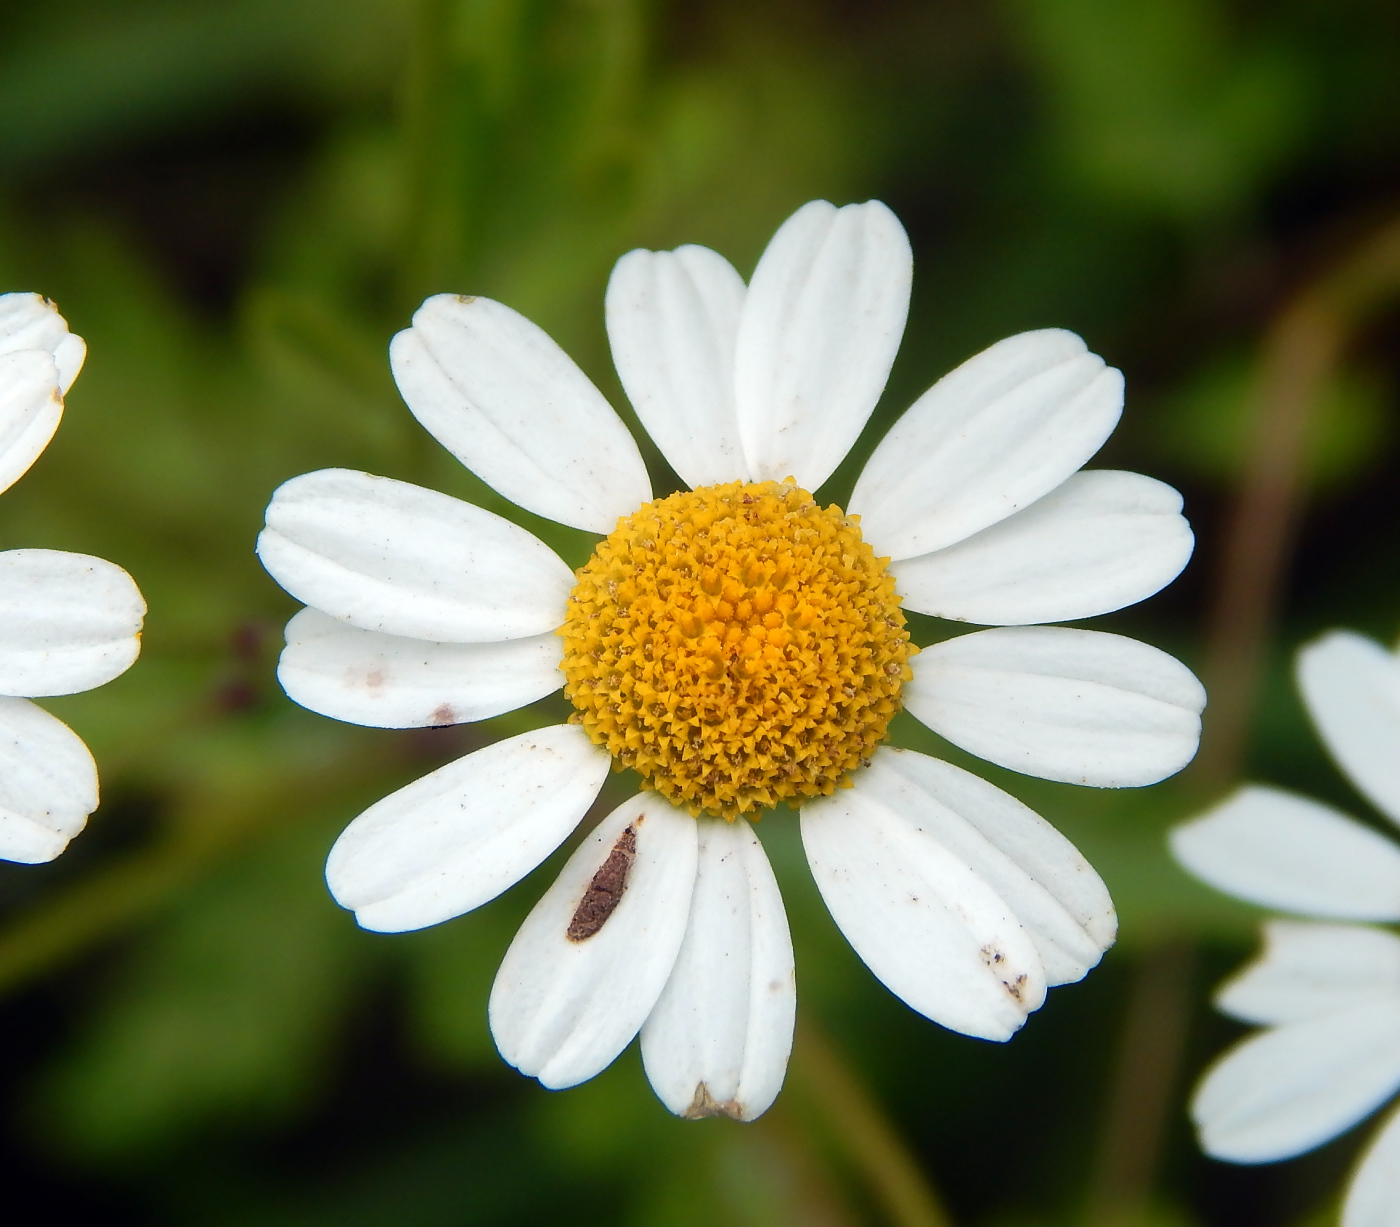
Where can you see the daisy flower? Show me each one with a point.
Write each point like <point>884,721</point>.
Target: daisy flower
<point>68,622</point>
<point>1328,993</point>
<point>739,645</point>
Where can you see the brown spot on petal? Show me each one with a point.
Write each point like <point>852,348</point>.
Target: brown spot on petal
<point>702,1106</point>
<point>604,892</point>
<point>444,715</point>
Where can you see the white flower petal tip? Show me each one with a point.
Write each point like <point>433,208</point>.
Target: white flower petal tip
<point>68,622</point>
<point>48,783</point>
<point>672,320</point>
<point>1001,431</point>
<point>1284,851</point>
<point>905,886</point>
<point>31,406</point>
<point>817,337</point>
<point>1309,969</point>
<point>1375,1188</point>
<point>592,958</point>
<point>458,837</point>
<point>717,1042</point>
<point>387,556</point>
<point>31,321</point>
<point>1352,688</point>
<point>1286,1090</point>
<point>1044,880</point>
<point>1099,542</point>
<point>502,397</point>
<point>1081,707</point>
<point>386,681</point>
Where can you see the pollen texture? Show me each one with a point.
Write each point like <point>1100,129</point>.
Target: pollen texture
<point>736,645</point>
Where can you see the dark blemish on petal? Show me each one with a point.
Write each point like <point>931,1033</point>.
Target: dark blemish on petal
<point>444,715</point>
<point>702,1106</point>
<point>604,892</point>
<point>992,956</point>
<point>464,299</point>
<point>1016,987</point>
<point>374,679</point>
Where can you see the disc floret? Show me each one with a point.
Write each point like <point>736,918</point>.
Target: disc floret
<point>736,645</point>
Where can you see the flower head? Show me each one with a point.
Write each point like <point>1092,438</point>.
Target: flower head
<point>68,622</point>
<point>1327,991</point>
<point>740,645</point>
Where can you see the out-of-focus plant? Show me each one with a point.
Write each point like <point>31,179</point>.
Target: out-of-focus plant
<point>1154,176</point>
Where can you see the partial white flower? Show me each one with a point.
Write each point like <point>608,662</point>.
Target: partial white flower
<point>1328,994</point>
<point>740,645</point>
<point>68,622</point>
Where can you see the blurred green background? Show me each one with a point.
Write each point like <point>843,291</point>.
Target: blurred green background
<point>237,202</point>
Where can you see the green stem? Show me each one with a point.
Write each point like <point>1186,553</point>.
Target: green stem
<point>1300,352</point>
<point>424,124</point>
<point>864,1132</point>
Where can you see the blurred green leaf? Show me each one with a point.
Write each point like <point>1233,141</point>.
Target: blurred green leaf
<point>1160,103</point>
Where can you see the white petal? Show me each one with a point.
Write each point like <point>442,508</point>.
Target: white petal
<point>31,405</point>
<point>933,932</point>
<point>1352,688</point>
<point>68,622</point>
<point>1040,876</point>
<point>817,336</point>
<point>1285,851</point>
<point>389,682</point>
<point>387,556</point>
<point>462,834</point>
<point>672,319</point>
<point>1288,1089</point>
<point>1078,706</point>
<point>48,783</point>
<point>1374,1192</point>
<point>717,1043</point>
<point>1311,969</point>
<point>511,405</point>
<point>31,321</point>
<point>1099,542</point>
<point>988,439</point>
<point>562,1008</point>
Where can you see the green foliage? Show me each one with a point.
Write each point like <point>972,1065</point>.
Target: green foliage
<point>1163,105</point>
<point>1110,167</point>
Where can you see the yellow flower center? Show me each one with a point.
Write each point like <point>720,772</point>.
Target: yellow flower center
<point>736,645</point>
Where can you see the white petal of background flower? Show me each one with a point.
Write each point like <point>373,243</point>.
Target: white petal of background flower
<point>989,438</point>
<point>390,682</point>
<point>31,321</point>
<point>1045,883</point>
<point>672,320</point>
<point>387,556</point>
<point>1078,706</point>
<point>501,396</point>
<point>932,931</point>
<point>1352,689</point>
<point>560,1010</point>
<point>1284,851</point>
<point>1374,1192</point>
<point>817,337</point>
<point>462,834</point>
<point>1308,969</point>
<point>68,622</point>
<point>48,783</point>
<point>30,408</point>
<point>719,1038</point>
<point>1100,541</point>
<point>1288,1089</point>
